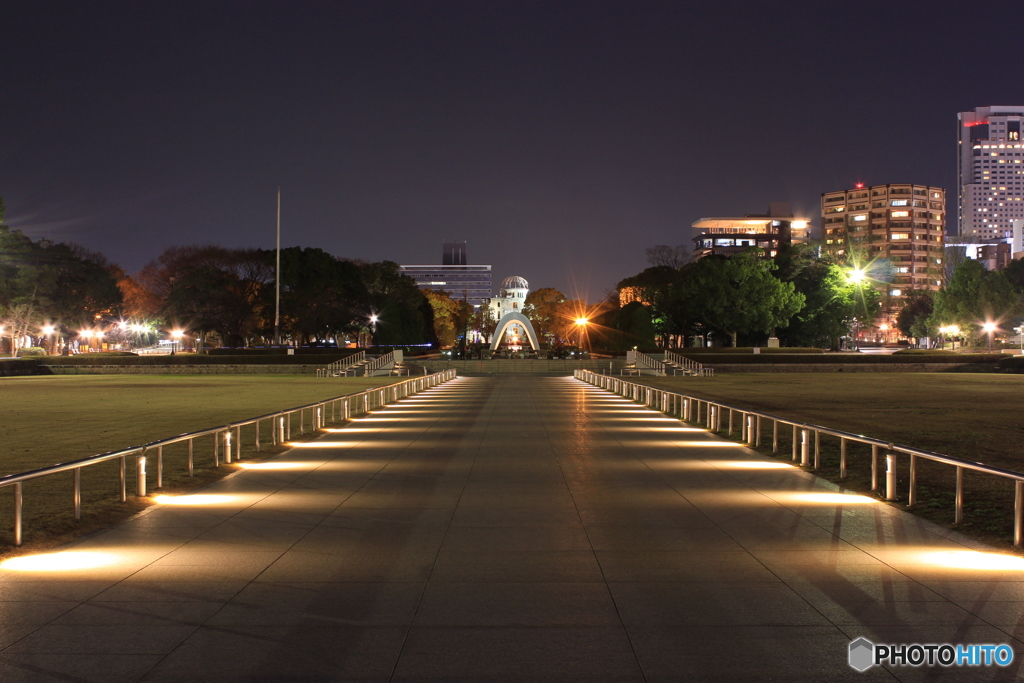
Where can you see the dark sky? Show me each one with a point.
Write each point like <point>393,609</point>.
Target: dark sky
<point>558,138</point>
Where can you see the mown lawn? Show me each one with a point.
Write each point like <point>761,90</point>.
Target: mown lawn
<point>48,420</point>
<point>972,416</point>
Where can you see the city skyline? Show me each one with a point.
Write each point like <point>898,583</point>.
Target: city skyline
<point>560,140</point>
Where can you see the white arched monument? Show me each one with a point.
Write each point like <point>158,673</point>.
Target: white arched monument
<point>508,309</point>
<point>511,323</point>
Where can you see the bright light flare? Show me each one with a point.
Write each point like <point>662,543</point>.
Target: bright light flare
<point>972,559</point>
<point>68,560</point>
<point>856,276</point>
<point>273,465</point>
<point>833,498</point>
<point>705,444</point>
<point>321,444</point>
<point>752,465</point>
<point>196,499</point>
<point>582,321</point>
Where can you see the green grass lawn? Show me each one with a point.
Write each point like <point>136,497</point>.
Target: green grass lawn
<point>971,416</point>
<point>48,420</point>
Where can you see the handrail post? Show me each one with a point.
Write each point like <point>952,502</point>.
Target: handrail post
<point>890,476</point>
<point>191,467</point>
<point>731,411</point>
<point>775,436</point>
<point>78,492</point>
<point>257,436</point>
<point>805,447</point>
<point>159,467</point>
<point>288,426</point>
<point>817,449</point>
<point>140,475</point>
<point>842,457</point>
<point>874,467</point>
<point>796,443</point>
<point>124,478</point>
<point>1018,513</point>
<point>959,517</point>
<point>912,492</point>
<point>757,432</point>
<point>238,442</point>
<point>18,501</point>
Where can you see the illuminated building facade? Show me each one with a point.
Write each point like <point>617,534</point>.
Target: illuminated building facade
<point>991,171</point>
<point>900,231</point>
<point>728,236</point>
<point>454,275</point>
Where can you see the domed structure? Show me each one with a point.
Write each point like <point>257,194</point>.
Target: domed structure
<point>514,282</point>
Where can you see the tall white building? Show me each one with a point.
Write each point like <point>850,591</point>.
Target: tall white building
<point>991,171</point>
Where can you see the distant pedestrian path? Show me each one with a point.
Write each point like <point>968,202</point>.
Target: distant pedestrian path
<point>507,529</point>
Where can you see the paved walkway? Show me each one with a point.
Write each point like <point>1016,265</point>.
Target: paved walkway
<point>507,529</point>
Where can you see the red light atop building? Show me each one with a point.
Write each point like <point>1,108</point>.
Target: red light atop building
<point>859,186</point>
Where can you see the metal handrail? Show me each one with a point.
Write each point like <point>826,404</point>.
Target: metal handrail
<point>281,427</point>
<point>378,363</point>
<point>689,365</point>
<point>710,413</point>
<point>649,363</point>
<point>341,366</point>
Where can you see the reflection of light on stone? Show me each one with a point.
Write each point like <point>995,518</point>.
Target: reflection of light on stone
<point>69,560</point>
<point>705,444</point>
<point>832,498</point>
<point>971,559</point>
<point>676,429</point>
<point>752,465</point>
<point>273,465</point>
<point>195,499</point>
<point>324,444</point>
<point>342,430</point>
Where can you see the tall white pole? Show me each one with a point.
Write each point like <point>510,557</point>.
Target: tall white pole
<point>277,277</point>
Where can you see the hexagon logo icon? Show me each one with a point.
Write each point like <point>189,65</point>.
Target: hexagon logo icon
<point>862,654</point>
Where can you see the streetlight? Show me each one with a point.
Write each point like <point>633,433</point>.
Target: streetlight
<point>48,331</point>
<point>86,335</point>
<point>989,328</point>
<point>176,336</point>
<point>582,324</point>
<point>373,326</point>
<point>856,276</point>
<point>884,327</point>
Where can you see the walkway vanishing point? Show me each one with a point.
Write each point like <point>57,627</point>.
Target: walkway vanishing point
<point>508,529</point>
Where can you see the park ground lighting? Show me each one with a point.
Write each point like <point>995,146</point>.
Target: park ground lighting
<point>856,276</point>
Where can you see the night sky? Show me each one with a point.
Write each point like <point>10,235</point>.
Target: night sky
<point>558,138</point>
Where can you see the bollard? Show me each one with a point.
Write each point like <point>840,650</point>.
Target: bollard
<point>805,447</point>
<point>750,429</point>
<point>227,446</point>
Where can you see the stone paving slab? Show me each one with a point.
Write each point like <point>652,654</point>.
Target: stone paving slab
<point>509,529</point>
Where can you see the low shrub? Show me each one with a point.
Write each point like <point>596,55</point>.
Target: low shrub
<point>31,351</point>
<point>191,359</point>
<point>844,359</point>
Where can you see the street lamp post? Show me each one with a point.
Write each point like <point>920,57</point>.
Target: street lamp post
<point>581,322</point>
<point>176,336</point>
<point>989,328</point>
<point>48,333</point>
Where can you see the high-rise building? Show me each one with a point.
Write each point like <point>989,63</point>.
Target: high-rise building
<point>900,232</point>
<point>991,171</point>
<point>454,275</point>
<point>769,231</point>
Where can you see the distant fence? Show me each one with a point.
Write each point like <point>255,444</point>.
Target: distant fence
<point>224,438</point>
<point>710,414</point>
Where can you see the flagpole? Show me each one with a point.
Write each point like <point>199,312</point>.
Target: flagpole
<point>277,277</point>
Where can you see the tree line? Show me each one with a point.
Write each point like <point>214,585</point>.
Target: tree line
<point>227,295</point>
<point>803,299</point>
